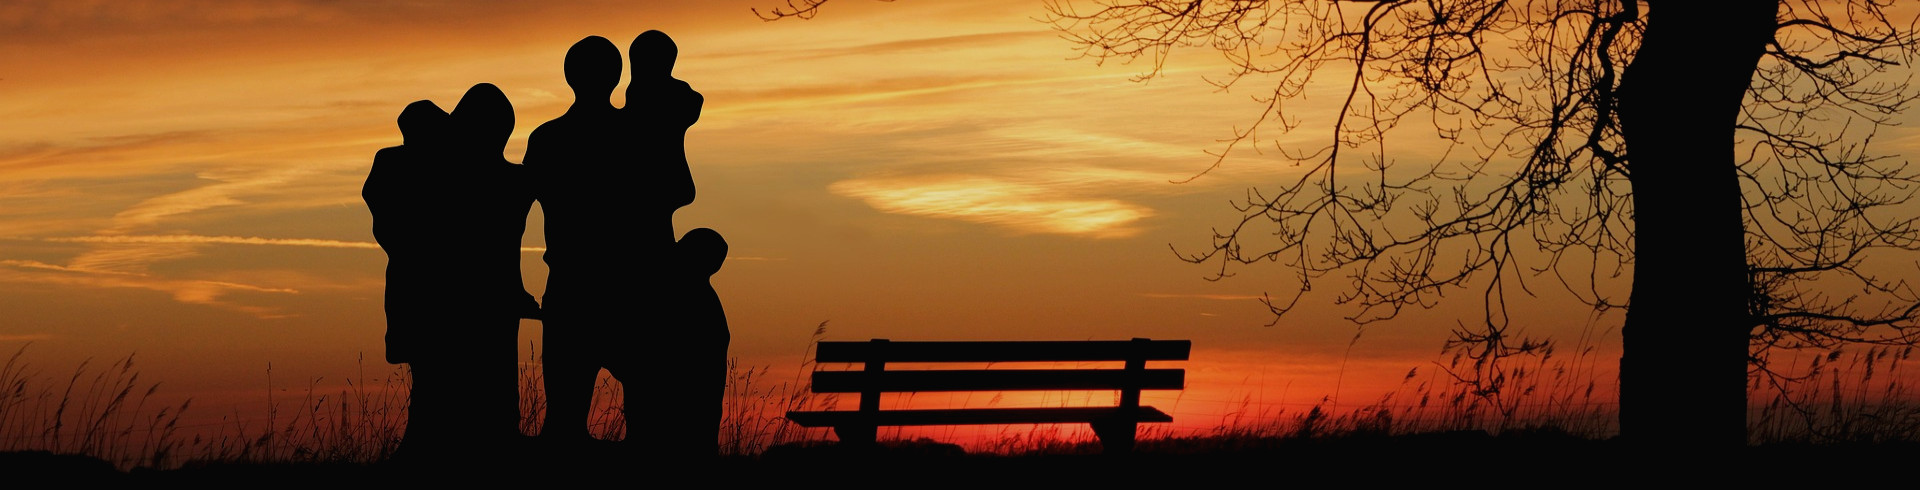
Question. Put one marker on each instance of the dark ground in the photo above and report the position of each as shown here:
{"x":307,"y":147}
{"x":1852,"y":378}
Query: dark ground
{"x":1448,"y":460}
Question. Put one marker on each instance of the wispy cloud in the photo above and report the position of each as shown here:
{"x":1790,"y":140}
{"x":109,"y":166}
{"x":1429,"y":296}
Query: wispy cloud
{"x":131,"y":258}
{"x":189,"y":291}
{"x":1068,"y":140}
{"x":121,"y":261}
{"x":228,"y":240}
{"x":942,"y":45}
{"x":25,"y":337}
{"x":238,"y":240}
{"x":1019,"y":206}
{"x":95,"y":13}
{"x":731,"y":258}
{"x":38,"y":265}
{"x":231,"y":187}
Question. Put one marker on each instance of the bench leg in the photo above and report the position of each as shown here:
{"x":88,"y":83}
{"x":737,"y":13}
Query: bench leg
{"x":1116,"y":437}
{"x":855,"y":435}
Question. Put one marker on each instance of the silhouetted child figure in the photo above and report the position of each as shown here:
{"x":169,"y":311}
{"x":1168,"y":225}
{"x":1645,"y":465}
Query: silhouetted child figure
{"x":401,"y":209}
{"x":686,"y":410}
{"x":659,"y":110}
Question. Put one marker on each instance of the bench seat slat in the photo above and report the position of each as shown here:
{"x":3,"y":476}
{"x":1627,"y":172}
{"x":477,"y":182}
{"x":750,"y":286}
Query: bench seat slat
{"x":1003,"y":351}
{"x":998,"y":380}
{"x":973,"y":416}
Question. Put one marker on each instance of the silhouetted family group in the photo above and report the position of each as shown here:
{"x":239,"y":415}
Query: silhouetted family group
{"x":622,"y":293}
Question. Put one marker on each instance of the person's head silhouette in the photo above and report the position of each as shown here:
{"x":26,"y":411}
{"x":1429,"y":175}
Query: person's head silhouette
{"x":593,"y":69}
{"x":484,"y":119}
{"x":702,"y":251}
{"x":422,"y":123}
{"x":652,"y":55}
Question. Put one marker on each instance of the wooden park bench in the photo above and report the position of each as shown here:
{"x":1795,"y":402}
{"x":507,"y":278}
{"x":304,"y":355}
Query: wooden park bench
{"x":1114,"y":425}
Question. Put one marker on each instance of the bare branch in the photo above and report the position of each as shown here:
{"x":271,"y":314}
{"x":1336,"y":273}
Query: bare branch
{"x":803,"y":10}
{"x":1524,"y":93}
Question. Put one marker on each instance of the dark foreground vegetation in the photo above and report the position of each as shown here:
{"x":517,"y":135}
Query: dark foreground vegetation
{"x":1524,"y":459}
{"x":1849,"y":419}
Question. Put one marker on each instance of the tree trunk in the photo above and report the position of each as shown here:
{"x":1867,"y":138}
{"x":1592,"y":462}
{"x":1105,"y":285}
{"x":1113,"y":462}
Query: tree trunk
{"x":1683,"y":372}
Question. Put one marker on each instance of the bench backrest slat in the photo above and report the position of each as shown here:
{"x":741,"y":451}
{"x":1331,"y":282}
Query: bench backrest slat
{"x":1003,"y":351}
{"x":998,"y":380}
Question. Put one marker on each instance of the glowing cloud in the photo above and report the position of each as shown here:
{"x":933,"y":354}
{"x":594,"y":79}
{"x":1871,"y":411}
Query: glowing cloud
{"x":1024,"y":207}
{"x":130,"y":258}
{"x":189,"y":291}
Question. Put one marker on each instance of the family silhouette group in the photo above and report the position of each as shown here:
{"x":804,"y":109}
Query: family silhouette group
{"x":622,"y":292}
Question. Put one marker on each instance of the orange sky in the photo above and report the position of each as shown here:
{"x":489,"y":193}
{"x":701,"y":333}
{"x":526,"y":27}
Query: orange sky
{"x":181,"y":180}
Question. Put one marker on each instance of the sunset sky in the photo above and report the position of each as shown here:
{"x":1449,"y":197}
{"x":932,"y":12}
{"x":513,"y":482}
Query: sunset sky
{"x":181,"y":181}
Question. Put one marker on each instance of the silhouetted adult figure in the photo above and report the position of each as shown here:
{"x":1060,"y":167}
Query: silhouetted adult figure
{"x":588,"y":191}
{"x":462,"y":211}
{"x":609,"y":183}
{"x":490,"y":201}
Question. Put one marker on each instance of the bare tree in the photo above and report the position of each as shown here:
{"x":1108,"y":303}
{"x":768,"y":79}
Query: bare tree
{"x":1711,"y":155}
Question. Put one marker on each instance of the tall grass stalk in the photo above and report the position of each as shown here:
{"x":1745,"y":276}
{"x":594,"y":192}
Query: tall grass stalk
{"x":755,"y":415}
{"x":362,"y":422}
{"x":102,"y":414}
{"x":1862,"y":396}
